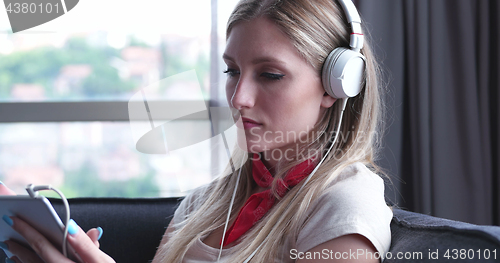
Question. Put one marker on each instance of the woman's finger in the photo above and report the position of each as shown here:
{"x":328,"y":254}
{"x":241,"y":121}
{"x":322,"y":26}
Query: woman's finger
{"x":45,"y":250}
{"x":85,"y":246}
{"x":4,"y":190}
{"x":94,"y":235}
{"x":21,"y":253}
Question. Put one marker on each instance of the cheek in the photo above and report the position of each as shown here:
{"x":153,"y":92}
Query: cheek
{"x":301,"y":111}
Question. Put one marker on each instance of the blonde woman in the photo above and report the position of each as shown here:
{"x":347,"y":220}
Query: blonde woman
{"x":306,"y":190}
{"x":274,"y":55}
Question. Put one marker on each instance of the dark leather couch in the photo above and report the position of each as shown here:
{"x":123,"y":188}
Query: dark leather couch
{"x":133,"y":229}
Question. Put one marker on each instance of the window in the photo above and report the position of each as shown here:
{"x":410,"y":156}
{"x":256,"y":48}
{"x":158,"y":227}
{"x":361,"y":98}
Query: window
{"x":65,"y":88}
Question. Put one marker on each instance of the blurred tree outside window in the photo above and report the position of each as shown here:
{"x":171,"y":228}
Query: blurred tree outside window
{"x":99,"y":158}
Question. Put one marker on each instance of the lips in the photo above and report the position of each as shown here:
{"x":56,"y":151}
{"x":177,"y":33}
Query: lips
{"x":249,"y":123}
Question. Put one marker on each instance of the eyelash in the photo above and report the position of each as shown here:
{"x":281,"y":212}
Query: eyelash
{"x":270,"y":76}
{"x":231,"y":72}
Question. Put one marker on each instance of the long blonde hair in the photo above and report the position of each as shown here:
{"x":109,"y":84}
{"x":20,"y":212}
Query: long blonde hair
{"x":315,"y":27}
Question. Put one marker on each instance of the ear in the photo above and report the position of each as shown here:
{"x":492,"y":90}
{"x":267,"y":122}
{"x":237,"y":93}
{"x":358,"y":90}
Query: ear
{"x":327,"y":101}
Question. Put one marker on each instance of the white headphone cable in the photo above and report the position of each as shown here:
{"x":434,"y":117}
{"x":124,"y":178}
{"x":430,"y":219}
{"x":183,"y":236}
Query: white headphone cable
{"x":230,"y":208}
{"x":33,"y":192}
{"x":329,"y":149}
{"x":312,"y":173}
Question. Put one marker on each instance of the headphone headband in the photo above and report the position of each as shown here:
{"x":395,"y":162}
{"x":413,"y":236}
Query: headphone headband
{"x":356,"y":42}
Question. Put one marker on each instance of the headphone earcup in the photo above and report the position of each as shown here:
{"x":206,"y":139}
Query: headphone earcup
{"x":343,"y":73}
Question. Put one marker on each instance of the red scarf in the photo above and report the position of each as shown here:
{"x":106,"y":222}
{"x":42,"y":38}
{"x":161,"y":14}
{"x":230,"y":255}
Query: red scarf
{"x":259,"y":204}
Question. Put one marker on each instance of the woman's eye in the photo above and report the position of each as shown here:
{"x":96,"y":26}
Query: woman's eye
{"x":231,"y":72}
{"x":272,"y":76}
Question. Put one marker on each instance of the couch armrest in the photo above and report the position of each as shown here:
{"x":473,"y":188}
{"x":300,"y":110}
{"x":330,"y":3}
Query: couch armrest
{"x":422,"y":238}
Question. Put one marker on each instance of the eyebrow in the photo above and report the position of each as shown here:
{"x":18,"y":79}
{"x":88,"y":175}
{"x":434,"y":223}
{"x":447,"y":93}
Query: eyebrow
{"x":258,"y":60}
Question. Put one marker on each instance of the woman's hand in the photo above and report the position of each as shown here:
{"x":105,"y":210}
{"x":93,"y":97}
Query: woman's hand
{"x":86,"y":245}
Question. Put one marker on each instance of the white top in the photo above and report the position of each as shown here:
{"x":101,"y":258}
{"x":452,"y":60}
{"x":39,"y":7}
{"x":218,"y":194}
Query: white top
{"x":353,"y":204}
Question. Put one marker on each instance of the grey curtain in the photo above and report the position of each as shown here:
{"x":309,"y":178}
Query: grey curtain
{"x":442,"y":142}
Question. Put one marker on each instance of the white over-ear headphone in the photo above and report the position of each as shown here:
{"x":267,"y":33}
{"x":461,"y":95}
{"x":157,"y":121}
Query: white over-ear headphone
{"x":343,"y":70}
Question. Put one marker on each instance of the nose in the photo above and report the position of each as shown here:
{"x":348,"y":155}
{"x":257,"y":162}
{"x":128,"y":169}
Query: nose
{"x":243,"y":94}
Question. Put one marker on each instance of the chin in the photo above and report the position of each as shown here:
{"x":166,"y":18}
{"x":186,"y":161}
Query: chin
{"x":247,"y":146}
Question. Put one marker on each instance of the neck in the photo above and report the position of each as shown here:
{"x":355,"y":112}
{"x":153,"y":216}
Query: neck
{"x":271,"y":160}
{"x":270,"y":165}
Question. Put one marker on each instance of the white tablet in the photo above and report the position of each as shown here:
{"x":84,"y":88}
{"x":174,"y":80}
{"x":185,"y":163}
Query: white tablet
{"x":39,"y":213}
